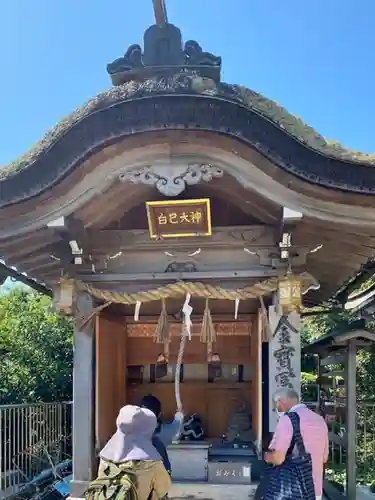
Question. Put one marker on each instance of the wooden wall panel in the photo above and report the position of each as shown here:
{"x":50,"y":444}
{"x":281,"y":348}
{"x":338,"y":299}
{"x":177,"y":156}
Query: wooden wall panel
{"x":110,"y":374}
{"x":142,"y":351}
{"x":234,"y":350}
{"x":194,"y":354}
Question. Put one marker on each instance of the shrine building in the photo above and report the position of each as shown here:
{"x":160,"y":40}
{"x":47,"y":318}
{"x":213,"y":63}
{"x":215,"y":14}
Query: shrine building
{"x":177,"y":205}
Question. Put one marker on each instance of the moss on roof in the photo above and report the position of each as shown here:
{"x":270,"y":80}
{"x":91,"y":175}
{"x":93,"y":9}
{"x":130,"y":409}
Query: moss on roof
{"x":191,"y":83}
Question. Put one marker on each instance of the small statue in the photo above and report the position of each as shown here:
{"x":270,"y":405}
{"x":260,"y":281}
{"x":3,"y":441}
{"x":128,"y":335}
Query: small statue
{"x":194,"y":55}
{"x":131,"y":60}
{"x":192,"y":428}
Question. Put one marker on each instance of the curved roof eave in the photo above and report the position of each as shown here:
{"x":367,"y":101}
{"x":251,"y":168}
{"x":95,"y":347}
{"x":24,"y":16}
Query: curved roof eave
{"x":263,"y":124}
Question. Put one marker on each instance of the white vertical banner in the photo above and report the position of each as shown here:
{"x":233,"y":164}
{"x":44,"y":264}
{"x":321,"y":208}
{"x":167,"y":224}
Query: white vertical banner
{"x":284,"y":356}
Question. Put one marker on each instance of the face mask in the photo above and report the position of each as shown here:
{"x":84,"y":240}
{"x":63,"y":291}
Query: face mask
{"x":280,"y":413}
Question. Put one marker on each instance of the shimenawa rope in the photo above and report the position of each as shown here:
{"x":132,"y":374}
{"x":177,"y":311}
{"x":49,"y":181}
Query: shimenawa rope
{"x":196,"y":289}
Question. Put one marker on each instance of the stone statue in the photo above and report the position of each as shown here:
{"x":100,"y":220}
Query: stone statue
{"x":131,"y":60}
{"x":240,"y":426}
{"x":194,"y":56}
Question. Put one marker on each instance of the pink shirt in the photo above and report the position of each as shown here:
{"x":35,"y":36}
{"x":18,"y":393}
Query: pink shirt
{"x":314,"y":433}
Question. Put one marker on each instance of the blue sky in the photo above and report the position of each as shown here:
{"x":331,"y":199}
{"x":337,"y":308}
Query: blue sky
{"x":316,"y":58}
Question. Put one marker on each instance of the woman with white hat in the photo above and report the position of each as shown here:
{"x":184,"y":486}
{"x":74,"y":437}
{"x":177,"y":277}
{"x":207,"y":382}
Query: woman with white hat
{"x":130,"y":467}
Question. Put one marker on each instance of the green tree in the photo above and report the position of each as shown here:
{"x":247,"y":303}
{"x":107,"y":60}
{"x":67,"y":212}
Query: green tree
{"x":36,"y":356}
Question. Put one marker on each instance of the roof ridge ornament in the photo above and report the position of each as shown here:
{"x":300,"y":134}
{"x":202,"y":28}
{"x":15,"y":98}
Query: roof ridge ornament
{"x":163,"y":54}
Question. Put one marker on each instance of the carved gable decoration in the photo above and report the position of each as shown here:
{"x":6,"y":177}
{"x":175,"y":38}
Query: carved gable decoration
{"x":164,"y":53}
{"x":171,"y":180}
{"x":178,"y":218}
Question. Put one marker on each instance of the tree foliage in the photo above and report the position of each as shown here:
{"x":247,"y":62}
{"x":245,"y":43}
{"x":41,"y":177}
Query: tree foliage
{"x":36,"y":356}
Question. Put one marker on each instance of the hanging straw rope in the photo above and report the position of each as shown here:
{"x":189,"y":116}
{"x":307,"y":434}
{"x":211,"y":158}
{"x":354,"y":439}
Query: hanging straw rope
{"x":196,"y":289}
{"x":161,"y":335}
{"x":178,"y":368}
{"x":208,"y":332}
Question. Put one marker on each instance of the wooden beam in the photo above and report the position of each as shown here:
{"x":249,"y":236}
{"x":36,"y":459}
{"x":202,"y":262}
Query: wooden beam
{"x":260,"y":273}
{"x":25,"y":246}
{"x":353,"y":335}
{"x":338,"y":359}
{"x":113,"y":205}
{"x":255,"y":236}
{"x":332,"y":241}
{"x":40,"y":268}
{"x":334,"y":373}
{"x":8,"y":244}
{"x":12,"y":273}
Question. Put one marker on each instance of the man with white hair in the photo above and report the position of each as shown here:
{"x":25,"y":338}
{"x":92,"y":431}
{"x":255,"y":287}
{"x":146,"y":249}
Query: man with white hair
{"x":314,"y":433}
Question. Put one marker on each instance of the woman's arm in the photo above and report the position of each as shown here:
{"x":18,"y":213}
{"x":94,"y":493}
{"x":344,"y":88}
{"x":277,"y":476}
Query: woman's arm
{"x":169,"y":431}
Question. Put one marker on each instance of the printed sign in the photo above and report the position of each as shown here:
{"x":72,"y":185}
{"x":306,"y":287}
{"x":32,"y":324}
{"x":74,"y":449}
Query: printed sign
{"x":229,"y":473}
{"x":284,"y":357}
{"x":179,"y":218}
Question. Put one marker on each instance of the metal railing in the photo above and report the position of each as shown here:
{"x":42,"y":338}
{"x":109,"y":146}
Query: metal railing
{"x":365,"y":441}
{"x":33,"y":438}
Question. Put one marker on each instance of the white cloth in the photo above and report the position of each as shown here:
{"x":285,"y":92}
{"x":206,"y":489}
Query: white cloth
{"x":133,"y":438}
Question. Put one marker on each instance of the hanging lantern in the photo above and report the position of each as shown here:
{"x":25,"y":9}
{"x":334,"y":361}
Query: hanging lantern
{"x":290,"y":293}
{"x":63,"y":302}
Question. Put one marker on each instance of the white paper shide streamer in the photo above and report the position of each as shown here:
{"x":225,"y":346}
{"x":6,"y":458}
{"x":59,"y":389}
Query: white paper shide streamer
{"x":236,"y":306}
{"x":187,"y":310}
{"x":137,"y":309}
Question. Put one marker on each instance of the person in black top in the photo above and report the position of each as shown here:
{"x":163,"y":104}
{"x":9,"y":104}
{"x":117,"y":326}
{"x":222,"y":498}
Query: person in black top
{"x":164,"y":433}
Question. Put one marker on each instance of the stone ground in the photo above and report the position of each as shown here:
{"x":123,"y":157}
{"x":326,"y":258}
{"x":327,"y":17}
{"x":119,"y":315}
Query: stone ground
{"x":206,"y":491}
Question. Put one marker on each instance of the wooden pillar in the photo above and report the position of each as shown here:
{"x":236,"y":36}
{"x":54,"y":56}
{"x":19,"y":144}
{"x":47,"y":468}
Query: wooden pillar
{"x":351,"y":420}
{"x":83,"y":401}
{"x":110,"y":374}
{"x":256,"y":347}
